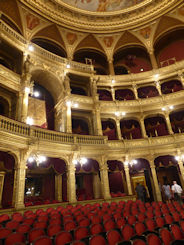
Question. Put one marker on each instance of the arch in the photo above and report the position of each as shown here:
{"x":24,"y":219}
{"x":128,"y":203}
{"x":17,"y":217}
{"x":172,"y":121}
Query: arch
{"x":4,"y":107}
{"x":104,"y":94}
{"x":124,"y":94}
{"x":98,"y":58}
{"x":177,"y":121}
{"x":80,"y":126}
{"x":109,"y":129}
{"x":130,"y":129}
{"x":171,"y":86}
{"x":147,"y":91}
{"x":135,"y":58}
{"x":121,"y":69}
{"x":155,"y":126}
{"x":169,"y":47}
{"x":50,"y":45}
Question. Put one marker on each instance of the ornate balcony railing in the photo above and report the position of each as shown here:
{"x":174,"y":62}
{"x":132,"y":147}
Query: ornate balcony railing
{"x":22,"y":129}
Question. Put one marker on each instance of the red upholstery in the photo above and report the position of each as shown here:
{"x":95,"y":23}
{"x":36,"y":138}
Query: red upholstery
{"x":17,"y":217}
{"x":160,"y":222}
{"x":96,"y":229}
{"x":12,"y":225}
{"x":4,"y":217}
{"x":70,"y":225}
{"x":168,"y":219}
{"x":4,"y":232}
{"x":96,"y":220}
{"x":140,"y":228}
{"x":113,"y":237}
{"x":131,"y":219}
{"x":55,"y":221}
{"x":120,"y":222}
{"x":97,"y":239}
{"x":151,"y":225}
{"x":138,"y":242}
{"x":78,"y":243}
{"x":29,"y":221}
{"x":42,"y":218}
{"x":13,"y":238}
{"x":41,"y":225}
{"x":141,"y":217}
{"x":84,"y":222}
{"x":62,"y":238}
{"x":80,"y":233}
{"x":23,"y":228}
{"x":35,"y":233}
{"x":166,"y":236}
{"x":127,"y":232}
{"x":109,"y":225}
{"x":43,"y":240}
{"x":176,"y":231}
{"x":152,"y":239}
{"x":53,"y":229}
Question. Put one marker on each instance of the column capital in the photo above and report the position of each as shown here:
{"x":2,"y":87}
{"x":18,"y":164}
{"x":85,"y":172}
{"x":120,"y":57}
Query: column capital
{"x":151,"y":50}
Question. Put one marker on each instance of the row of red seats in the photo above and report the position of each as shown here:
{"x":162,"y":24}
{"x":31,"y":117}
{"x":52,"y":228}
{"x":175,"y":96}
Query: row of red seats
{"x":123,"y":219}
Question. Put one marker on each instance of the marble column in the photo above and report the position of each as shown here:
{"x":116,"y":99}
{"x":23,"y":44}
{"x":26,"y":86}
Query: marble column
{"x":155,"y":180}
{"x":111,"y":67}
{"x":68,"y":119}
{"x":180,"y":165}
{"x":128,"y":180}
{"x":2,"y":175}
{"x":157,"y":83}
{"x":143,"y":129}
{"x":113,"y":93}
{"x":97,"y":121}
{"x":153,"y":59}
{"x":104,"y":179}
{"x":168,"y":122}
{"x":96,"y":186}
{"x":71,"y":189}
{"x":118,"y":129}
{"x":24,"y":96}
{"x":135,"y":91}
{"x":58,"y":187}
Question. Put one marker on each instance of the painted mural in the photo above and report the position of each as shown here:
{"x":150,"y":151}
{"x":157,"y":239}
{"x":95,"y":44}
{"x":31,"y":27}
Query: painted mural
{"x":102,"y":5}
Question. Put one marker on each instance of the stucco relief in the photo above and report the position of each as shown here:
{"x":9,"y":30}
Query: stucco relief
{"x":102,"y":5}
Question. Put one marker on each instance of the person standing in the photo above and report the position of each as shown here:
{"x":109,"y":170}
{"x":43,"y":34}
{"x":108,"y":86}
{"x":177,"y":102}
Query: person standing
{"x":141,"y":192}
{"x":167,"y":191}
{"x":177,"y":192}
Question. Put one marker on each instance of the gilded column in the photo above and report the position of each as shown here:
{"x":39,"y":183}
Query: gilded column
{"x":155,"y":180}
{"x":58,"y":187}
{"x":118,"y":129}
{"x":113,"y":93}
{"x":143,"y":129}
{"x":128,"y":180}
{"x":96,"y":186}
{"x":135,"y":91}
{"x":124,"y":183}
{"x":2,"y":175}
{"x":181,"y":77}
{"x":104,"y":179}
{"x":71,"y":190}
{"x":153,"y":59}
{"x":111,"y":67}
{"x":157,"y":83}
{"x":168,"y":123}
{"x":68,"y":118}
{"x":97,"y":121}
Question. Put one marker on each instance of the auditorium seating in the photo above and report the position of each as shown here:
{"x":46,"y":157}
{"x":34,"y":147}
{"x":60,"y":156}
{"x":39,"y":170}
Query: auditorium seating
{"x":134,"y":223}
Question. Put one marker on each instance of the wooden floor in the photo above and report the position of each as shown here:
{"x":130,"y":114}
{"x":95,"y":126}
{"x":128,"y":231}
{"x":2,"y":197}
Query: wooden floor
{"x":64,"y":204}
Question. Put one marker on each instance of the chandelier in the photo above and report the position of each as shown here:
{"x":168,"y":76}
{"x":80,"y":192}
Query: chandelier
{"x":131,"y":163}
{"x":82,"y":161}
{"x":38,"y":159}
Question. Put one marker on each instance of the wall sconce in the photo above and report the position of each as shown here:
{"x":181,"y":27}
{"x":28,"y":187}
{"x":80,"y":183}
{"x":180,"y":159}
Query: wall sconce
{"x":37,"y":158}
{"x":171,"y":107}
{"x":29,"y":120}
{"x":72,"y":104}
{"x":118,"y":113}
{"x":31,"y":48}
{"x":82,"y":161}
{"x":131,"y":163}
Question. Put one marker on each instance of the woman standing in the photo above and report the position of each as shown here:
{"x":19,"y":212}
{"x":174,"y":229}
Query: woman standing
{"x":167,"y":191}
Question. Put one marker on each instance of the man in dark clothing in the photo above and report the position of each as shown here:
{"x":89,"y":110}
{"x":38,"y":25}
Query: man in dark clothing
{"x":141,"y":192}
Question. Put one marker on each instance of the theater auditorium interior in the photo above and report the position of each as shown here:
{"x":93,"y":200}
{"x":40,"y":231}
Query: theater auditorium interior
{"x":91,"y":105}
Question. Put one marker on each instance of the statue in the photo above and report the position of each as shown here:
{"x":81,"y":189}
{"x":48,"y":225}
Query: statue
{"x":27,"y":65}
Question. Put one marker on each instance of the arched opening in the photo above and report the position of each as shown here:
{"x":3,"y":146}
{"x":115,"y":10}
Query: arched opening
{"x":7,"y":165}
{"x":147,"y":92}
{"x":130,"y":129}
{"x":171,"y":86}
{"x":167,"y":170}
{"x":124,"y":94}
{"x":155,"y":126}
{"x":140,"y":173}
{"x":50,"y":46}
{"x":116,"y":178}
{"x":42,"y":185}
{"x":88,"y":180}
{"x":78,"y":90}
{"x":177,"y":121}
{"x":120,"y":70}
{"x":4,"y":107}
{"x":41,"y":107}
{"x":109,"y":129}
{"x":169,"y":48}
{"x":104,"y":95}
{"x":98,"y":60}
{"x":135,"y":59}
{"x":10,"y":23}
{"x":80,"y":126}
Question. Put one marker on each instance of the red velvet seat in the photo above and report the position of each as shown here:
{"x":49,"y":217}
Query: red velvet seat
{"x":84,"y":222}
{"x":23,"y":228}
{"x":13,"y":238}
{"x":153,"y":239}
{"x":41,"y":225}
{"x":35,"y":233}
{"x":12,"y":225}
{"x":177,"y":232}
{"x":4,"y":232}
{"x":141,"y":217}
{"x":113,"y":237}
{"x":70,"y":225}
{"x":168,"y":219}
{"x":166,"y":236}
{"x":4,"y":217}
{"x":62,"y":238}
{"x":53,"y":229}
{"x":96,"y":219}
{"x":160,"y":222}
{"x":140,"y":228}
{"x":109,"y":225}
{"x":42,"y":218}
{"x":29,"y":221}
{"x":176,"y":217}
{"x":78,"y":243}
{"x":80,"y":233}
{"x":127,"y":232}
{"x":120,"y":222}
{"x":55,"y":221}
{"x":131,"y":220}
{"x":17,"y":217}
{"x":43,"y":240}
{"x":96,"y":229}
{"x":138,"y":242}
{"x":151,"y":225}
{"x":97,"y":240}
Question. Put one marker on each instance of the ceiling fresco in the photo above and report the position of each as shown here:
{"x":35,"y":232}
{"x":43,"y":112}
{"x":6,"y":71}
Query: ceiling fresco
{"x":102,"y":5}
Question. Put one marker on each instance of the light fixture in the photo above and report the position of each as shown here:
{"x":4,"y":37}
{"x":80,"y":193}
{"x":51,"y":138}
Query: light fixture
{"x":29,"y":120}
{"x":141,"y":69}
{"x":69,"y":103}
{"x":131,"y":163}
{"x":156,"y":76}
{"x":68,"y":66}
{"x":31,"y":48}
{"x":163,"y":109}
{"x":113,"y":81}
{"x":82,"y":161}
{"x":118,"y":113}
{"x":72,"y":104}
{"x":171,"y":107}
{"x":36,"y":94}
{"x":76,"y":105}
{"x":37,"y":158}
{"x":27,"y":90}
